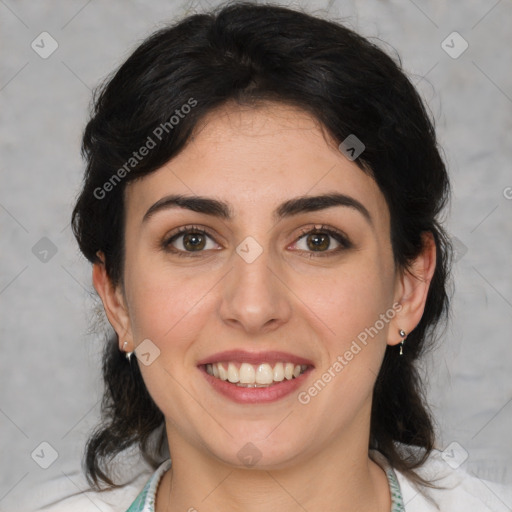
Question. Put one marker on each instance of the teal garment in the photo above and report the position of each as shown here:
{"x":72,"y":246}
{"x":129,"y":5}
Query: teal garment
{"x":145,"y":501}
{"x":397,"y":502}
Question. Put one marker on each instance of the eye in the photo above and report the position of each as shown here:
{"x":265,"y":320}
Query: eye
{"x":188,"y":239}
{"x":319,"y":240}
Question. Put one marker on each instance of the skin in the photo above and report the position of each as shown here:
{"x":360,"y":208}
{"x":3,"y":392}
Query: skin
{"x":313,"y":456}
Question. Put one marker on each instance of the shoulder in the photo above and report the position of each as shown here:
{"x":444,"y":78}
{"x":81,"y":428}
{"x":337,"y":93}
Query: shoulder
{"x":70,"y":492}
{"x":457,"y":490}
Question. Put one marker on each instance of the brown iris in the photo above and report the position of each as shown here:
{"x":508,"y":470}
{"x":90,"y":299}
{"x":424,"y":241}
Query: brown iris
{"x":321,"y":241}
{"x":197,"y":241}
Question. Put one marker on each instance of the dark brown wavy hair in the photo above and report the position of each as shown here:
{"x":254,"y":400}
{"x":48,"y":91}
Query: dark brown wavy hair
{"x":252,"y":53}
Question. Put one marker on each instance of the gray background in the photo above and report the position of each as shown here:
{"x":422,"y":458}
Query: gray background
{"x":49,"y":359}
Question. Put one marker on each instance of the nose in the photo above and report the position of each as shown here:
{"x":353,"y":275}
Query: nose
{"x":254,"y":298}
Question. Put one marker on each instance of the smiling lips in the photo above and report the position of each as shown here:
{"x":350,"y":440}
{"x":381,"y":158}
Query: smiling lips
{"x":249,"y":375}
{"x":249,"y":369}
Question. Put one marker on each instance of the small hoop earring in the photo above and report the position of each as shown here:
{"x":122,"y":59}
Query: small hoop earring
{"x":128,"y":355}
{"x":403,"y":335}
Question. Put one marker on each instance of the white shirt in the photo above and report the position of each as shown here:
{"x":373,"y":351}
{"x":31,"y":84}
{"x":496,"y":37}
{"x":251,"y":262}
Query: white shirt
{"x":463,"y":493}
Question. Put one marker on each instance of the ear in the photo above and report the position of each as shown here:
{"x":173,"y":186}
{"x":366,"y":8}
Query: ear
{"x":411,"y":290}
{"x":114,"y":303}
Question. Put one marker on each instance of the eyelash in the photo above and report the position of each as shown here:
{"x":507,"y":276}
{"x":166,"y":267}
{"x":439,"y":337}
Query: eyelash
{"x":340,"y":237}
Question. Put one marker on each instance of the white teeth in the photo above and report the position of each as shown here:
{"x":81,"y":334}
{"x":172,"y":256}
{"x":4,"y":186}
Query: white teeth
{"x":249,"y":375}
{"x":279,"y":372}
{"x":264,"y":374}
{"x":233,"y":375}
{"x":288,"y":371}
{"x":223,"y":374}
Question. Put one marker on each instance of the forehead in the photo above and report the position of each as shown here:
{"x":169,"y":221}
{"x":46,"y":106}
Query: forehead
{"x":254,"y":159}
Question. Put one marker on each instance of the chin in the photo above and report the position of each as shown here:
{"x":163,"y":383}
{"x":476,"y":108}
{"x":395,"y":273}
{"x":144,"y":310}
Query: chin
{"x":264,"y":454}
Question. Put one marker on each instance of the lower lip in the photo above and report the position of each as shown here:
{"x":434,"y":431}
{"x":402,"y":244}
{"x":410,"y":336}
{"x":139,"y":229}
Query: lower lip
{"x":243,"y":395}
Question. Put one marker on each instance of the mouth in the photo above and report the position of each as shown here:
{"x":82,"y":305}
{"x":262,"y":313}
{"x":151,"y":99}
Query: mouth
{"x":249,"y":375}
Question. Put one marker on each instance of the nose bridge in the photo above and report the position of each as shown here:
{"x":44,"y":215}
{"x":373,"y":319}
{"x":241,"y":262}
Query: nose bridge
{"x":253,"y":296}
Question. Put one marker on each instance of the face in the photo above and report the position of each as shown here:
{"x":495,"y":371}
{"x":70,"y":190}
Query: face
{"x":313,"y":280}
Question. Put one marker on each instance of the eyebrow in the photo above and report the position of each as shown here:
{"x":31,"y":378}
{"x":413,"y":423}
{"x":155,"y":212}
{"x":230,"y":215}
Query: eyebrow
{"x":222,"y":210}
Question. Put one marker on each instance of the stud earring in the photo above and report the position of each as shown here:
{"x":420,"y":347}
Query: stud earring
{"x":403,"y":335}
{"x":127,"y":354}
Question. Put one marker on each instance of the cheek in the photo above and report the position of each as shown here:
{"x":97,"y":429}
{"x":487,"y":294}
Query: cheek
{"x":352,"y":297}
{"x":162,"y":302}
{"x":355,"y":307}
{"x":351,"y":307}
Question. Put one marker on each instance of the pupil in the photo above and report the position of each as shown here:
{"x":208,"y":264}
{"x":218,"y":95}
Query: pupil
{"x":194,"y":239}
{"x":320,"y":245}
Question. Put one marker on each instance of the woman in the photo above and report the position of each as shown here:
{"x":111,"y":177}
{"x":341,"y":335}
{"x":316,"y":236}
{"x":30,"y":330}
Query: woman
{"x":261,"y":208}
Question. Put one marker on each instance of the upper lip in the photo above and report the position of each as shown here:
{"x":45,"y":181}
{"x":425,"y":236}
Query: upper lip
{"x":254,"y":357}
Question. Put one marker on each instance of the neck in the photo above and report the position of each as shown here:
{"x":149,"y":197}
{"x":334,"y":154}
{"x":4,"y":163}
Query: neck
{"x":341,"y":478}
